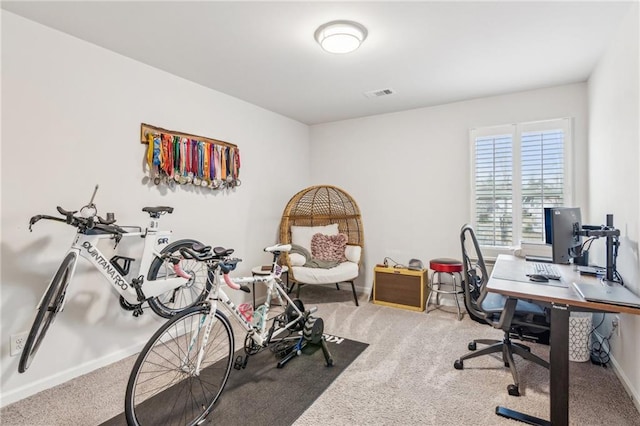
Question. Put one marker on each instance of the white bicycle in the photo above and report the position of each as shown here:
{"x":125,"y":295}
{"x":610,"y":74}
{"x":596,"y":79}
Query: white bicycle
{"x":166,"y":281}
{"x":183,"y":369}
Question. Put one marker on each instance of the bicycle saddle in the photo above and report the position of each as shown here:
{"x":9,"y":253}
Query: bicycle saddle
{"x":221,"y":251}
{"x":200,"y":248}
{"x":159,"y":209}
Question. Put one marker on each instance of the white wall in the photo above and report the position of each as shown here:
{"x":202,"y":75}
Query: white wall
{"x":614,"y":181}
{"x":409,"y":171}
{"x":71,"y":115}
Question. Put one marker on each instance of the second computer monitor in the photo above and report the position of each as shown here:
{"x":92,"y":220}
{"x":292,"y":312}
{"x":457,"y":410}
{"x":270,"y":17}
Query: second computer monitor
{"x":564,"y":232}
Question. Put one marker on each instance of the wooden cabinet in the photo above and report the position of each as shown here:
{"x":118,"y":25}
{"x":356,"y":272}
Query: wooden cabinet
{"x":400,"y":287}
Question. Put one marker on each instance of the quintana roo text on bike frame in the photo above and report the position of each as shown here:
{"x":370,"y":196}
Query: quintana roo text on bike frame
{"x":105,"y":265}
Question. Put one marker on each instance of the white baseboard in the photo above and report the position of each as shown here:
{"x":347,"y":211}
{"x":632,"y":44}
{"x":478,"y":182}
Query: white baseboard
{"x":64,"y":376}
{"x":626,"y":383}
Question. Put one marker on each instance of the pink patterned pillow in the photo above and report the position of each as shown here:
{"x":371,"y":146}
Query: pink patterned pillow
{"x":328,"y":247}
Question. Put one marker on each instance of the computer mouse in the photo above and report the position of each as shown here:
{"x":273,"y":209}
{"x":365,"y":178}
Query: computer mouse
{"x":538,"y":278}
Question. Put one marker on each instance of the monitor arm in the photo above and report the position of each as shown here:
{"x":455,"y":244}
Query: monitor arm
{"x":611,"y":234}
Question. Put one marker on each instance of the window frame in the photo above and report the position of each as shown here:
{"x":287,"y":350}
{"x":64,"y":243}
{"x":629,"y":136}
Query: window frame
{"x":516,"y":130}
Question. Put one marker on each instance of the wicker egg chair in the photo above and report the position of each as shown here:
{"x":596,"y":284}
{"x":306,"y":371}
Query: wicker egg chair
{"x":317,"y":206}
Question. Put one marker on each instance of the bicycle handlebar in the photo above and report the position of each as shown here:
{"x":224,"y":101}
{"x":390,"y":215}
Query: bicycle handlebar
{"x":220,"y":258}
{"x":38,"y":217}
{"x":82,"y":223}
{"x":235,"y":286}
{"x":92,"y":220}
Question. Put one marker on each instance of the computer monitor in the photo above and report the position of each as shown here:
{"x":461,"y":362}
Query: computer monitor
{"x":565,"y":233}
{"x":548,"y":229}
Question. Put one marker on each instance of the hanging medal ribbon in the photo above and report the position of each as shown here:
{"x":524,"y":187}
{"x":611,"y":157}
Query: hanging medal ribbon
{"x":183,"y":161}
{"x":223,"y":163}
{"x":232,"y":167}
{"x":212,"y":164}
{"x":218,"y":164}
{"x":201,"y":167}
{"x":194,"y":159}
{"x":218,"y":167}
{"x":189,"y":161}
{"x":156,"y":158}
{"x":237,"y":160}
{"x":198,"y":169}
{"x":150,"y":146}
{"x":150,"y":156}
{"x":161,"y":154}
{"x":166,"y":154}
{"x":170,"y":161}
{"x":205,"y":163}
{"x":227,"y":164}
{"x":156,"y":150}
{"x":231,"y":179}
{"x":200,"y":160}
{"x":176,"y":158}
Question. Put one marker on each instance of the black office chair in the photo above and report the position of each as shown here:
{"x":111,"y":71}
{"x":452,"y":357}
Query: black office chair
{"x":512,"y":316}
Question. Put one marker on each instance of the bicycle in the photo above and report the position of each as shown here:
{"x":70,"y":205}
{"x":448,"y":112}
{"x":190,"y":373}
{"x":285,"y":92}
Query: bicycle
{"x":172,"y":284}
{"x":183,"y":369}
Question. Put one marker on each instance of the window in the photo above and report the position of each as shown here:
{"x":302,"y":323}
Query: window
{"x":517,"y":171}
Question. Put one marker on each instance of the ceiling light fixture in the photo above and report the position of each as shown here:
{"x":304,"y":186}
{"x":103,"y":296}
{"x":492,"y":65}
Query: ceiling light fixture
{"x":340,"y":36}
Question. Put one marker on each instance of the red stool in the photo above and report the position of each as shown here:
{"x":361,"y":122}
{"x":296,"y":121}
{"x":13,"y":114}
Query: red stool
{"x":451,"y":267}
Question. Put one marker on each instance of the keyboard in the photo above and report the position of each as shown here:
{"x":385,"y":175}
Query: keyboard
{"x":546,"y":269}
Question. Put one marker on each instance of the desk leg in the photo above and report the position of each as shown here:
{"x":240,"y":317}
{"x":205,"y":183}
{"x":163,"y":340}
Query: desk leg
{"x":558,"y":373}
{"x":559,"y":365}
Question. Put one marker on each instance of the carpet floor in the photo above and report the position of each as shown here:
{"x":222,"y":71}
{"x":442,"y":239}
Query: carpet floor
{"x":405,"y":376}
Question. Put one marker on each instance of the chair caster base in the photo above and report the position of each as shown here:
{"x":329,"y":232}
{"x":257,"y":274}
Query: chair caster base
{"x":513,"y":390}
{"x":458,"y":365}
{"x":472,"y":346}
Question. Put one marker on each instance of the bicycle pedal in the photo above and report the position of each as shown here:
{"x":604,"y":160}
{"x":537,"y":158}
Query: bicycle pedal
{"x":137,"y":312}
{"x":240,"y":362}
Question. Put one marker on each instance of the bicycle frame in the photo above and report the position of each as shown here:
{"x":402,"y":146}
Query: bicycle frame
{"x":85,"y":245}
{"x":260,"y":336}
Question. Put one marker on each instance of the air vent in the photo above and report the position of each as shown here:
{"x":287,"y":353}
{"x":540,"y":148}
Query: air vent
{"x":379,"y":92}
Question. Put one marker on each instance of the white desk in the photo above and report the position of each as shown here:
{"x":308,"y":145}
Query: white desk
{"x":563,"y":300}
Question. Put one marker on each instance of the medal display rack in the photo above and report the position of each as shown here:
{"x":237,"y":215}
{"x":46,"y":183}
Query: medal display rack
{"x":181,"y":158}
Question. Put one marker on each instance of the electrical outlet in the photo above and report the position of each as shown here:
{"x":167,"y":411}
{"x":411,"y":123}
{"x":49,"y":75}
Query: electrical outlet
{"x":616,"y":324}
{"x":17,"y":343}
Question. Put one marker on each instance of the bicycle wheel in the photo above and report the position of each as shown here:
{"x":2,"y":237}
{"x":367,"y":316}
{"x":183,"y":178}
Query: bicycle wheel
{"x":47,"y":311}
{"x":195,"y":290}
{"x":163,"y":388}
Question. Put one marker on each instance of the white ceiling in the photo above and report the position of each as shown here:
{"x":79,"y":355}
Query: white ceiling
{"x":430,"y":53}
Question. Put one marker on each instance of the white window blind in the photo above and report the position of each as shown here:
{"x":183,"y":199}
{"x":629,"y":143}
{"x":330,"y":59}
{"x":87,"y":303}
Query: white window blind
{"x":518,"y":170}
{"x":494,"y":189}
{"x":542,"y":179}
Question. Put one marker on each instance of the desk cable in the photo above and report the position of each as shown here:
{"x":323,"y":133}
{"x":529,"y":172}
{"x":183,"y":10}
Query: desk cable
{"x":395,"y":264}
{"x":600,"y":347}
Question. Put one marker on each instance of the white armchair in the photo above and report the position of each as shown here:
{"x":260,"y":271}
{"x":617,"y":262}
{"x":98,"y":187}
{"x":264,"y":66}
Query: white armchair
{"x":328,"y":211}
